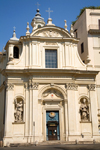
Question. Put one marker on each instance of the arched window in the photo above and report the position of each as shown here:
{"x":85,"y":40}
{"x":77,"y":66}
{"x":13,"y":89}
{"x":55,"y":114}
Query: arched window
{"x":39,"y":26}
{"x":16,"y":52}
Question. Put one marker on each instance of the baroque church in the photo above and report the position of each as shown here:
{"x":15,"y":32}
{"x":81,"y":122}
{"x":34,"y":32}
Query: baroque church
{"x":47,"y":92}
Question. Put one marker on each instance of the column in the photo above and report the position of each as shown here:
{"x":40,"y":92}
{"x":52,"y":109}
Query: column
{"x":93,"y":102}
{"x":8,"y":111}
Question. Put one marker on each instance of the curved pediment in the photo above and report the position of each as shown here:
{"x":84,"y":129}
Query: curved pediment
{"x":55,"y":32}
{"x":52,"y":93}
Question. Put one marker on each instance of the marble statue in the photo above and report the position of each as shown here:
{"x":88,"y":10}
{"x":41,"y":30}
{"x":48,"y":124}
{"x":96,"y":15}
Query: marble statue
{"x":18,"y":111}
{"x":84,"y":110}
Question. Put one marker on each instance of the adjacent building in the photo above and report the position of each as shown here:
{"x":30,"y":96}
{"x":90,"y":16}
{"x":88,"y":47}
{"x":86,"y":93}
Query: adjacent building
{"x":87,"y":29}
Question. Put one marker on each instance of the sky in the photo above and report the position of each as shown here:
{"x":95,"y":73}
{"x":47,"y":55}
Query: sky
{"x":18,"y":12}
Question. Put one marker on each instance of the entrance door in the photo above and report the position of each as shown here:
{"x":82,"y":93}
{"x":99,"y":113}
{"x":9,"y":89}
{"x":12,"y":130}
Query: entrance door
{"x":52,"y":125}
{"x":52,"y":133}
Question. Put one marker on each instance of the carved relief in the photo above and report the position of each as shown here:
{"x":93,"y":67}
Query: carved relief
{"x":52,"y":92}
{"x":84,"y":110}
{"x":9,"y":86}
{"x":26,"y":85}
{"x":30,"y":84}
{"x":72,"y":86}
{"x":33,"y":85}
{"x":51,"y":43}
{"x":49,"y":33}
{"x":91,"y":87}
{"x":97,"y":86}
{"x":18,"y":103}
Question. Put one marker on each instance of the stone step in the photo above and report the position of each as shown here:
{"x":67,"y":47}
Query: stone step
{"x":56,"y":142}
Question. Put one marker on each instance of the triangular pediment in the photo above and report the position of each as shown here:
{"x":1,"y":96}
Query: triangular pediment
{"x":51,"y":32}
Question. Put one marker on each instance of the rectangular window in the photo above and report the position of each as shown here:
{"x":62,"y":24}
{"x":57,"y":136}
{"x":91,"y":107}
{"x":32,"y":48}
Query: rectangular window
{"x":76,"y":34}
{"x":51,"y":58}
{"x":99,"y":24}
{"x":82,"y":48}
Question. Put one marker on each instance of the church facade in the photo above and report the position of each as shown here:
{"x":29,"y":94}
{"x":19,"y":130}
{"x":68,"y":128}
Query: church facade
{"x":46,"y":91}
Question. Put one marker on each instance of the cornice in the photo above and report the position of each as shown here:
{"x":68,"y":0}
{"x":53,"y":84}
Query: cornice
{"x":30,"y":38}
{"x":56,"y":71}
{"x":13,"y":42}
{"x":94,"y":31}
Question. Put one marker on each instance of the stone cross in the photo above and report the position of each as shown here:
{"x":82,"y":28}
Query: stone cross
{"x":49,"y":11}
{"x":14,"y":28}
{"x":38,"y":5}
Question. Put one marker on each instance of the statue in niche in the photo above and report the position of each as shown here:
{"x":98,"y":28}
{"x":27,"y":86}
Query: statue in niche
{"x":18,"y":111}
{"x":84,"y":110}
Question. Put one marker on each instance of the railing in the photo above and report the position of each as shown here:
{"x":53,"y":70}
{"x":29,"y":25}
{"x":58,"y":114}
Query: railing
{"x":94,"y":27}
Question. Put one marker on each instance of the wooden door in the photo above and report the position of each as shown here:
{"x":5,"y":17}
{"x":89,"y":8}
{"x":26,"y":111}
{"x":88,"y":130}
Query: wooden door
{"x":52,"y":133}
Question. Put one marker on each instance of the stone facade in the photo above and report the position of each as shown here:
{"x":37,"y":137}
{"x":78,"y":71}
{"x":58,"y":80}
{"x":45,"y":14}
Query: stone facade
{"x":39,"y":103}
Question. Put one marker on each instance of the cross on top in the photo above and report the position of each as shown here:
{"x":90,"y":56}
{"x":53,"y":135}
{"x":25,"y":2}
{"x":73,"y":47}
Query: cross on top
{"x":38,"y":5}
{"x":49,"y":11}
{"x":14,"y":28}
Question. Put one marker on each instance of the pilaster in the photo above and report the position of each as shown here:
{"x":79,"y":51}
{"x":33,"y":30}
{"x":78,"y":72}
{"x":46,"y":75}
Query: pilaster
{"x":35,"y":107}
{"x":98,"y":98}
{"x":30,"y":109}
{"x":26,"y":110}
{"x":71,"y":87}
{"x":30,"y":53}
{"x":93,"y":101}
{"x":66,"y":120}
{"x":9,"y":108}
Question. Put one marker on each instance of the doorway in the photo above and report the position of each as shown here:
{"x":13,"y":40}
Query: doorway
{"x":52,"y":131}
{"x":52,"y":125}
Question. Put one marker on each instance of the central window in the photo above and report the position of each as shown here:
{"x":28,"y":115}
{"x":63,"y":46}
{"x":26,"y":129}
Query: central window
{"x":51,"y":58}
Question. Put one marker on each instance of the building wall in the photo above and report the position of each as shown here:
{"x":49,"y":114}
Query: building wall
{"x":81,"y":28}
{"x":89,"y":20}
{"x":33,"y":55}
{"x":35,"y":105}
{"x":2,"y":113}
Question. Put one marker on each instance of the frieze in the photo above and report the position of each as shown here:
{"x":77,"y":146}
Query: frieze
{"x":45,"y":76}
{"x":71,"y":86}
{"x":51,"y":43}
{"x":91,"y":87}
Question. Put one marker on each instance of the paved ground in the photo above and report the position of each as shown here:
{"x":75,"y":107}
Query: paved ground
{"x":56,"y":147}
